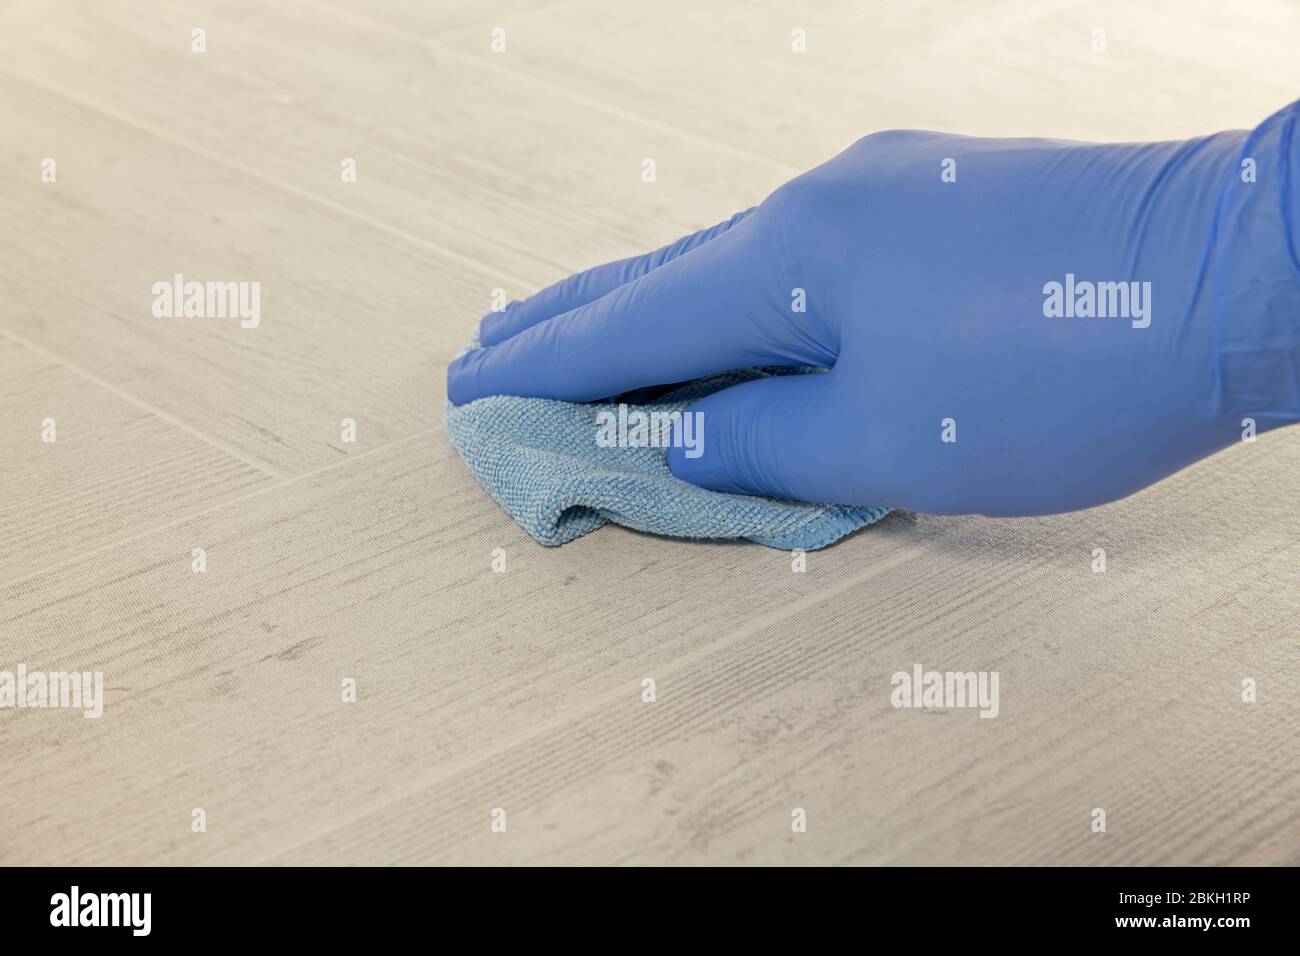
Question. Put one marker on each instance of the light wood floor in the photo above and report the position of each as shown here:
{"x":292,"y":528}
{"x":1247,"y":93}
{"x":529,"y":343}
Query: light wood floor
{"x":371,"y":560}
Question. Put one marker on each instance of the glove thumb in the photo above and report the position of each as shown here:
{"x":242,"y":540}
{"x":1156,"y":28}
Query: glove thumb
{"x":774,"y":436}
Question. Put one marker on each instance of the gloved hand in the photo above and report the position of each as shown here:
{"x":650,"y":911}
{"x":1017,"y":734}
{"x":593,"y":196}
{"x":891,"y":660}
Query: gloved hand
{"x":1011,"y":326}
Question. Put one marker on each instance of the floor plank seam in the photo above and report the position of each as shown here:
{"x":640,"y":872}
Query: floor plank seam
{"x":254,"y":493}
{"x":595,"y":703}
{"x":690,"y":136}
{"x":433,"y":43}
{"x":166,"y":416}
{"x":249,"y":172}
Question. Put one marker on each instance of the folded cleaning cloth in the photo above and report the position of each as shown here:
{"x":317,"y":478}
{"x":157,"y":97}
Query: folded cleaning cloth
{"x":541,"y":461}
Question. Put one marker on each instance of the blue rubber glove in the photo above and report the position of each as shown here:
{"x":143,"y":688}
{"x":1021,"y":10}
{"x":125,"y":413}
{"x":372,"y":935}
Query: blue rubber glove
{"x":1012,"y":326}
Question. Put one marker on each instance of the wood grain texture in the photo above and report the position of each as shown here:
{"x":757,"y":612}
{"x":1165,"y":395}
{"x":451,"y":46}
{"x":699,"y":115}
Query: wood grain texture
{"x":1120,"y":690}
{"x":354,"y":323}
{"x":1000,"y":69}
{"x":112,"y":467}
{"x":452,"y":155}
{"x":523,"y":690}
{"x":378,"y":569}
{"x":420,"y":18}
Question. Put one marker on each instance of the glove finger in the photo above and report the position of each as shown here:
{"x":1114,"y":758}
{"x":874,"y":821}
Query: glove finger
{"x":718,"y":307}
{"x":584,"y":287}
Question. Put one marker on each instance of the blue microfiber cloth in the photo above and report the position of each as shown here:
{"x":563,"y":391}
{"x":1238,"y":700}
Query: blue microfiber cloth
{"x":540,"y":460}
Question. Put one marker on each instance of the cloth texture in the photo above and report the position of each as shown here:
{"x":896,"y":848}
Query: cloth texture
{"x":539,"y":459}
